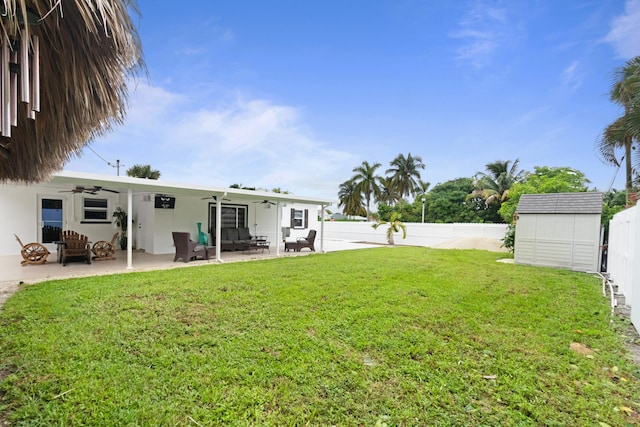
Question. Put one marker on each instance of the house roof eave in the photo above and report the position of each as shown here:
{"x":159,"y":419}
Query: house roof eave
{"x":164,"y":187}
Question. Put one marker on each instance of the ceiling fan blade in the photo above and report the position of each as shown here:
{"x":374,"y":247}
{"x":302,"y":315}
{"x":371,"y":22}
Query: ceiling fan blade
{"x":110,"y":190}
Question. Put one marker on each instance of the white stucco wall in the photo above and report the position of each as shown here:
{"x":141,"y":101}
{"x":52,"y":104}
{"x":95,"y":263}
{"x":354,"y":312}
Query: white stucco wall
{"x":153,"y":227}
{"x":17,"y":202}
{"x":417,"y":234}
{"x":19,"y":214}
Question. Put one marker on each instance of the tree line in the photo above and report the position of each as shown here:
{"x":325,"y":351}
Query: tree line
{"x":492,"y":195}
{"x":402,"y":179}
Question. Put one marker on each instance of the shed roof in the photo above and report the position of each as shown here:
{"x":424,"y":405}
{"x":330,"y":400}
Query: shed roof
{"x":561,"y":203}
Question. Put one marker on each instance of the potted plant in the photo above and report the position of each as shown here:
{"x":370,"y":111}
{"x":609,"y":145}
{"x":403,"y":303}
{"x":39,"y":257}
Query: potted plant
{"x":121,"y":222}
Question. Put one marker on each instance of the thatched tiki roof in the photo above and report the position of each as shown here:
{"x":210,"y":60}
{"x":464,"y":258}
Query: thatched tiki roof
{"x":87,"y":51}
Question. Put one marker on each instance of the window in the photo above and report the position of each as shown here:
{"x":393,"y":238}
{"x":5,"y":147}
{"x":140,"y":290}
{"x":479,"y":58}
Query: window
{"x":299,"y":218}
{"x":232,"y":216}
{"x":94,"y":210}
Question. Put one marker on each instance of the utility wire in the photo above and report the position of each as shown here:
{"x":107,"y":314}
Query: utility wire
{"x":118,"y":165}
{"x":99,"y":156}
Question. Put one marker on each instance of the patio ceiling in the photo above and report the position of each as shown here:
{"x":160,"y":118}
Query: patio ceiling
{"x":69,"y":180}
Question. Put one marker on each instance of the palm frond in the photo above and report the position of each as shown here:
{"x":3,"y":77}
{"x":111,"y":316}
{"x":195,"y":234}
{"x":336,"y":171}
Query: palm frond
{"x":612,"y":139}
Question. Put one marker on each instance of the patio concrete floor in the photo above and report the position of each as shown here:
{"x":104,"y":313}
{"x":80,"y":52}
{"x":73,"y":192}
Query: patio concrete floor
{"x":13,"y":274}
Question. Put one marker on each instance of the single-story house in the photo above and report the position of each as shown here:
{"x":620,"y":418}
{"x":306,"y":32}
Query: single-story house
{"x":86,"y":202}
{"x":559,"y":230}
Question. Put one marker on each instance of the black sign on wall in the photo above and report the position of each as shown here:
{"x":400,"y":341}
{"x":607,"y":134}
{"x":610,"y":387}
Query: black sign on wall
{"x":165,"y":202}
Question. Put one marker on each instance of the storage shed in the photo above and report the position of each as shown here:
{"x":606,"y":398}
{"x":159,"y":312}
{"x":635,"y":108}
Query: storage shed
{"x":559,"y":230}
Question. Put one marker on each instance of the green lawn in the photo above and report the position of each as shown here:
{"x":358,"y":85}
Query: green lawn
{"x":388,"y":336}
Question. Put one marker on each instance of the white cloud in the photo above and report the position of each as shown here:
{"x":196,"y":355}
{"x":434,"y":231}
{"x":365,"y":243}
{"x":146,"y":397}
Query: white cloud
{"x":483,"y":30}
{"x":625,"y":33}
{"x":259,"y":143}
{"x":254,"y":142}
{"x":149,"y":103}
{"x":572,"y":76}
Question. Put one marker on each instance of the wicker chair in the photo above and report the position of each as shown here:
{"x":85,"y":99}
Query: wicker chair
{"x":186,"y":248}
{"x":75,"y":246}
{"x":302,"y":242}
{"x":103,"y":250}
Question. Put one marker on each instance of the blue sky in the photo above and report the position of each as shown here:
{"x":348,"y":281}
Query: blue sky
{"x":295,"y":94}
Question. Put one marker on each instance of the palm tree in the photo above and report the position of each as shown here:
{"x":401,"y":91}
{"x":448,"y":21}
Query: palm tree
{"x":395,"y":225}
{"x":388,"y":193}
{"x":494,"y":185}
{"x":422,"y":188}
{"x":350,"y":199}
{"x":143,"y":171}
{"x":421,"y":192}
{"x":366,"y":181}
{"x":405,"y":173}
{"x":622,"y":132}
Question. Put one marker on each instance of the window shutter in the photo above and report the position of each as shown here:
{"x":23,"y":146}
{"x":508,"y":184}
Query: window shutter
{"x":293,"y":214}
{"x":306,"y":218}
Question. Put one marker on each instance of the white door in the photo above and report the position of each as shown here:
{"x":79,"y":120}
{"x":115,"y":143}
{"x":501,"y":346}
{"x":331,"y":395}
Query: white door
{"x":50,"y":220}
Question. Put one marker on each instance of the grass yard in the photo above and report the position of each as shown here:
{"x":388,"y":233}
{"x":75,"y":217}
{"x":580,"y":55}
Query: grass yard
{"x":389,"y":336}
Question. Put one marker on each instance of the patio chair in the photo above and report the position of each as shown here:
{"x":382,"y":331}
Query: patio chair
{"x":307,"y":242}
{"x":186,"y":248}
{"x":33,"y":253}
{"x":103,"y":250}
{"x":74,"y":246}
{"x":302,"y":242}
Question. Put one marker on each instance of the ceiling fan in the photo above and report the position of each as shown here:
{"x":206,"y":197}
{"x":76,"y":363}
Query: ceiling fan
{"x":265,"y":201}
{"x":88,"y":190}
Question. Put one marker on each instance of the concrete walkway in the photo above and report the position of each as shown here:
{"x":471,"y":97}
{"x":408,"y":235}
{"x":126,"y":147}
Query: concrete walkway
{"x":13,"y":275}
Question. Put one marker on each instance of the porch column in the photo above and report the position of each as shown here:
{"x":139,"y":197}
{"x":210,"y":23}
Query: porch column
{"x":322,"y":227}
{"x":129,"y":229}
{"x":218,"y":227}
{"x":278,"y":227}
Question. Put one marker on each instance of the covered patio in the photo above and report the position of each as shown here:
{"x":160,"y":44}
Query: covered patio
{"x":265,"y":214}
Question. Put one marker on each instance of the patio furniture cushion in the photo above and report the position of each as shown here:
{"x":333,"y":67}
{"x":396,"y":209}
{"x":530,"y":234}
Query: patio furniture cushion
{"x":243,"y":234}
{"x":230,"y":234}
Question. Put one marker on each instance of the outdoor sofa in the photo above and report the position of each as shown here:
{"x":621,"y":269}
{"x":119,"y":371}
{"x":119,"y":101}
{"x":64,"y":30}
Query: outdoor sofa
{"x":234,"y":239}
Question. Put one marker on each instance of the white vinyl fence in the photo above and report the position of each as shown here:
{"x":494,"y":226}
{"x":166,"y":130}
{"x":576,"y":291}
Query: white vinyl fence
{"x":417,"y":234}
{"x":623,"y":260}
